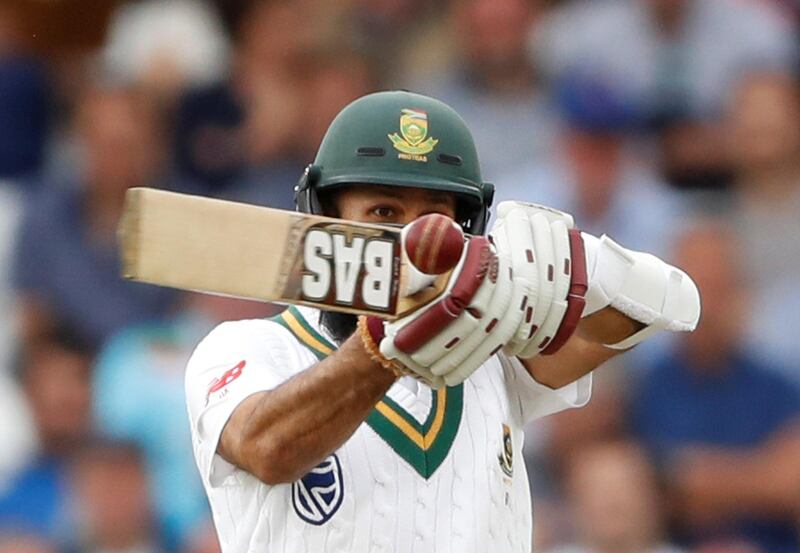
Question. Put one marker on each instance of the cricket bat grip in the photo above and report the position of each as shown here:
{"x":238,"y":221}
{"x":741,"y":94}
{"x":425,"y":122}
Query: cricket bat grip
{"x":418,"y":288}
{"x":416,"y":280}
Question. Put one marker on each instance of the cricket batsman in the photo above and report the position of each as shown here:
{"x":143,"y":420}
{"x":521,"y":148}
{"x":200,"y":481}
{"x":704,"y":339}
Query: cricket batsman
{"x":319,"y":432}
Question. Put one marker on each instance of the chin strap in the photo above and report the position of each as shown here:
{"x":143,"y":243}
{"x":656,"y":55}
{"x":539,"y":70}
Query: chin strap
{"x":641,"y":286}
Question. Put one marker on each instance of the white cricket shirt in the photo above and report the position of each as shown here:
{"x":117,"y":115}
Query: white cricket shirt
{"x":428,"y":471}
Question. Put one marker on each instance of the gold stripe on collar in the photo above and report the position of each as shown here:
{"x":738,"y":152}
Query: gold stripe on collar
{"x":290,"y":319}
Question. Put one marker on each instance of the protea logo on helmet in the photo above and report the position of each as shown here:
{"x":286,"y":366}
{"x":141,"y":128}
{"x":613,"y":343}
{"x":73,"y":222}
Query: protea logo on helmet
{"x":414,"y":142}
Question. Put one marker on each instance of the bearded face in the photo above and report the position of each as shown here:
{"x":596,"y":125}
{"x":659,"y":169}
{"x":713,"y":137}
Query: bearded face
{"x":339,"y":325}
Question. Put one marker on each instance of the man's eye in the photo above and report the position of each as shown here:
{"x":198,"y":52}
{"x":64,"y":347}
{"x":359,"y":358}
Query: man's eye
{"x":384,"y":212}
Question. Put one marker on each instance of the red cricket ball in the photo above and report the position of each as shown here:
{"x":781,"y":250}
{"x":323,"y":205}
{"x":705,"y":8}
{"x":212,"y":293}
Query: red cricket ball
{"x":433,"y":243}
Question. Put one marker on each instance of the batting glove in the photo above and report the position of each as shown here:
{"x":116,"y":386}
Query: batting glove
{"x":445,"y":341}
{"x":548,"y":264}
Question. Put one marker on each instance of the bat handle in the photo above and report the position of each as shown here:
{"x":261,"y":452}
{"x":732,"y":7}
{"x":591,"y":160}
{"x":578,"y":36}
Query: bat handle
{"x":416,"y":280}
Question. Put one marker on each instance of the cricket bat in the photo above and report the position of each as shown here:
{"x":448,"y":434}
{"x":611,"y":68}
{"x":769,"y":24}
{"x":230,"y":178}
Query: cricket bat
{"x":246,"y":251}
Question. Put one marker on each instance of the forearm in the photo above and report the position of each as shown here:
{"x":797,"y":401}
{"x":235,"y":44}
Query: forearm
{"x":280,"y":434}
{"x":584,"y":351}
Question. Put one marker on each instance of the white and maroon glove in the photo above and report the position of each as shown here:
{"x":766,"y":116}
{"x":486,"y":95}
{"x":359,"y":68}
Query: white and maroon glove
{"x":548,"y":262}
{"x":552,"y":257}
{"x":445,"y":341}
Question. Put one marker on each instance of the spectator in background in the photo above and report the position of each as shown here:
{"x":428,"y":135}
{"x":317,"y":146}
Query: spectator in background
{"x":56,"y":380}
{"x":139,"y":397}
{"x":727,"y":548}
{"x":333,"y":75}
{"x":166,"y":46}
{"x":203,"y":541}
{"x":676,"y":59}
{"x":596,"y":172}
{"x":17,"y":433}
{"x":494,"y":85}
{"x":24,"y":119}
{"x":11,"y":203}
{"x":710,"y":403}
{"x":763,"y":126}
{"x":111,"y":500}
{"x":22,"y":543}
{"x":549,"y":450}
{"x":253,"y":117}
{"x":614,"y":500}
{"x":23,"y":102}
{"x":66,"y":265}
{"x":287,"y":103}
{"x":405,"y":35}
{"x":208,"y":138}
{"x":178,"y":53}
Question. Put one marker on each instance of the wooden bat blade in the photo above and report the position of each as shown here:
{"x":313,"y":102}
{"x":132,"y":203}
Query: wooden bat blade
{"x":194,"y":243}
{"x":228,"y":248}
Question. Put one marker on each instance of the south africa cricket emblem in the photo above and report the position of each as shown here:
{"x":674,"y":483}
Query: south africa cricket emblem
{"x":506,"y":456}
{"x":413,"y":141}
{"x":318,"y":495}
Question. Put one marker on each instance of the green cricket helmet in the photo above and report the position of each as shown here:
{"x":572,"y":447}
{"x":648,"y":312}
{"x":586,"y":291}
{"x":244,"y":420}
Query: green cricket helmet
{"x":398,"y":138}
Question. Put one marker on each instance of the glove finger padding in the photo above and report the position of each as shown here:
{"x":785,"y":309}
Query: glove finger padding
{"x":514,"y":235}
{"x":446,"y":341}
{"x":496,"y":326}
{"x":524,"y":278}
{"x":575,"y":268}
{"x":496,"y":331}
{"x":529,"y":240}
{"x":543,"y":249}
{"x":411,"y":333}
{"x":545,"y":254}
{"x":552,"y":214}
{"x":425,"y":336}
{"x":568,"y":273}
{"x":454,"y":336}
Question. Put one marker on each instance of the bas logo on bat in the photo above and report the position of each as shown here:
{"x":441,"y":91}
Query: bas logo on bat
{"x":350,"y":269}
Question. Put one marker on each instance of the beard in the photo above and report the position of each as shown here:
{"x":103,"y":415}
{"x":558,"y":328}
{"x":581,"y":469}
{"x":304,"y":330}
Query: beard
{"x":339,"y":325}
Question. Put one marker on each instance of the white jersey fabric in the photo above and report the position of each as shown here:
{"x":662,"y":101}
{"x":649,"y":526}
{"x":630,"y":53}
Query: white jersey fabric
{"x":427,"y":471}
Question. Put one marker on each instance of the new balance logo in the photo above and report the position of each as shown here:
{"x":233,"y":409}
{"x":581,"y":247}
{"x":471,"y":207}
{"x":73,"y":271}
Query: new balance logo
{"x":219,"y":383}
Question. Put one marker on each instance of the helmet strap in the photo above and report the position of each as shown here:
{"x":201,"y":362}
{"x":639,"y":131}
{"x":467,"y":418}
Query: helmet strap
{"x":305,"y":193}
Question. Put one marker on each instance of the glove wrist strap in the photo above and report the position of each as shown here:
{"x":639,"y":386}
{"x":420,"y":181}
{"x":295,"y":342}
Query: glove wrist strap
{"x":370,"y":329}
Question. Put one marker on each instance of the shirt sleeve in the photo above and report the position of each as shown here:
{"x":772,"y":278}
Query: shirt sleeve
{"x":537,"y":400}
{"x":236,"y":360}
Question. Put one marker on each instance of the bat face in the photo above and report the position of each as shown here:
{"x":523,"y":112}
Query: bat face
{"x":227,"y":248}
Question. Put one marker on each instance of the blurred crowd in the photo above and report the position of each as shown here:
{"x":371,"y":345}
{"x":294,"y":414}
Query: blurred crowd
{"x":671,"y":125}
